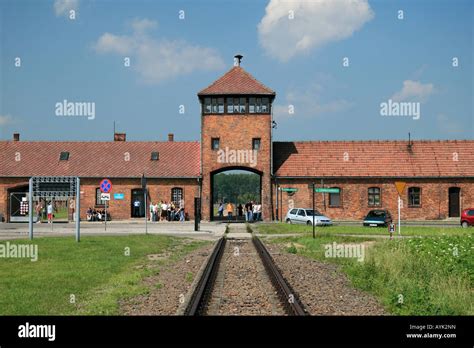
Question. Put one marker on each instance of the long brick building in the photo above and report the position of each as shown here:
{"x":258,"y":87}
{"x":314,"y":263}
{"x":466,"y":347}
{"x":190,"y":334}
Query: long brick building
{"x":236,"y":133}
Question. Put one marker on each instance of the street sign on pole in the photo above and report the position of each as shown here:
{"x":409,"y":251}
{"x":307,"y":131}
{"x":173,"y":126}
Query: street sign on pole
{"x":288,"y":189}
{"x":105,"y":186}
{"x":400,"y":186}
{"x":326,"y":190}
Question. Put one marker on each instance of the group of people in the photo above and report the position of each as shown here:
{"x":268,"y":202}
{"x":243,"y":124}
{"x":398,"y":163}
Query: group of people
{"x":167,"y":211}
{"x":96,"y":215}
{"x":39,"y":209}
{"x":252,"y":211}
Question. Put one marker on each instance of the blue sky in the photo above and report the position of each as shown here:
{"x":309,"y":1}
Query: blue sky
{"x":82,"y":60}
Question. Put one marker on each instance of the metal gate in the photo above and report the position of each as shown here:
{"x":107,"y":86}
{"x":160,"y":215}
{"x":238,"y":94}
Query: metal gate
{"x":19,"y":207}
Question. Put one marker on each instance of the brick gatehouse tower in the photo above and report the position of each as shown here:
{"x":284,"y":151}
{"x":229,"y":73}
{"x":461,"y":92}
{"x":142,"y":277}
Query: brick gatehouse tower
{"x":236,"y":133}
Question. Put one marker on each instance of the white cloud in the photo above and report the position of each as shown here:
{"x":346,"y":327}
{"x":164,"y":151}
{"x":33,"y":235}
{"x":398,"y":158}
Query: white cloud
{"x":413,"y":91}
{"x":158,"y":60}
{"x":315,"y":24}
{"x":310,"y":102}
{"x":142,"y":25}
{"x":62,"y":7}
{"x":5,"y":120}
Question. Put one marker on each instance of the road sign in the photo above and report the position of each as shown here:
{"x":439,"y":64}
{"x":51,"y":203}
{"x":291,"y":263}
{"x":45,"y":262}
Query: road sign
{"x":326,"y":190}
{"x":119,"y":196}
{"x":105,"y":186}
{"x":105,"y":196}
{"x":288,"y":189}
{"x":400,"y":185}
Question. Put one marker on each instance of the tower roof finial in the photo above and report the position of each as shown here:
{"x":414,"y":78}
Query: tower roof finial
{"x":237,"y":59}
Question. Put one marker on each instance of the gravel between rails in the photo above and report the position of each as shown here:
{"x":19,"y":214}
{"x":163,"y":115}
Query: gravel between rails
{"x":174,"y":280}
{"x":242,"y":286}
{"x":322,"y":287}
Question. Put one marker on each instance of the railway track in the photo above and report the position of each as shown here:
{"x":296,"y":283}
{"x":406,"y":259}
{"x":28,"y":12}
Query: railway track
{"x":241,"y":278}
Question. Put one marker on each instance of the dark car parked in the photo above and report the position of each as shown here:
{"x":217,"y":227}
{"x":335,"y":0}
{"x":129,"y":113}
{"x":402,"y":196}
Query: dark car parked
{"x":467,"y":217}
{"x":378,"y":218}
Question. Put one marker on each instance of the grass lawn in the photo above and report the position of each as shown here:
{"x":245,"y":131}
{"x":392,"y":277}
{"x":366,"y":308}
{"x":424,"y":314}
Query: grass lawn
{"x":96,"y":271}
{"x":283,"y":228}
{"x":416,"y":276}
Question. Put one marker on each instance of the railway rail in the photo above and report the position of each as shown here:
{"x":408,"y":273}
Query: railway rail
{"x":280,"y":289}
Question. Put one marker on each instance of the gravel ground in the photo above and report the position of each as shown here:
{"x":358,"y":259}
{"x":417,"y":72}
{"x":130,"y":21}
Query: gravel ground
{"x":242,"y":286}
{"x":169,"y":286}
{"x":322,"y":287}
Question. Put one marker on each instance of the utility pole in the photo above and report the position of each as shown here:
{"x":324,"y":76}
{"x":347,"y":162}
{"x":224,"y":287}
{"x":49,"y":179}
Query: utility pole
{"x":146,"y":209}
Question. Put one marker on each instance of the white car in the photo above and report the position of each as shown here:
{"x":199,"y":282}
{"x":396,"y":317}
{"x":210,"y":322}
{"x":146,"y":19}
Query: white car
{"x":305,"y":216}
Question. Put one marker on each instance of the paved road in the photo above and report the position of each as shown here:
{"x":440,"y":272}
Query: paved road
{"x":208,"y":230}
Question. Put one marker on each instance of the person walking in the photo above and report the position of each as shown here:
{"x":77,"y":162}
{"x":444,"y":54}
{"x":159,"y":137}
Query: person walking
{"x":38,"y":209}
{"x":155,"y":212}
{"x":255,"y":211}
{"x":152,"y":206}
{"x":230,"y":211}
{"x":164,"y":211}
{"x":259,"y":211}
{"x":172,"y":211}
{"x":250,"y":211}
{"x":220,"y":210}
{"x":181,"y":210}
{"x":136,"y":208}
{"x":240,"y":210}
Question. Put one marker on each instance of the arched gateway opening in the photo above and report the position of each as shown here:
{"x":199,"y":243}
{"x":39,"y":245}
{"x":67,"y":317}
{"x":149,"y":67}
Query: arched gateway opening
{"x":235,"y":185}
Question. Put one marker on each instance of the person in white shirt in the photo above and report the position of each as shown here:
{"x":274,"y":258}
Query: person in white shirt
{"x":259,"y":211}
{"x":151,"y":207}
{"x":254,"y":211}
{"x":49,"y":210}
{"x":164,"y":211}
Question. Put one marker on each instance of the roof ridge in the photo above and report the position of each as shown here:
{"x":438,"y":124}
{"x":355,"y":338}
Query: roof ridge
{"x":236,"y":78}
{"x":379,"y":141}
{"x":215,"y":81}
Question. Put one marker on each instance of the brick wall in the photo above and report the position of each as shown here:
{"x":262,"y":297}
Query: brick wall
{"x":236,"y":133}
{"x":354,"y":197}
{"x":159,"y":189}
{"x":354,"y":205}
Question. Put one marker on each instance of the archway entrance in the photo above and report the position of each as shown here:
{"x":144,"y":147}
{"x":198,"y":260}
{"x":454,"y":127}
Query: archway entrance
{"x":454,"y":206}
{"x":235,"y":185}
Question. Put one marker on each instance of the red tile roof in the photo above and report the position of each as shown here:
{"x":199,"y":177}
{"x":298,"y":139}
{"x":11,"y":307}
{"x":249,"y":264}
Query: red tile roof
{"x":99,"y":159}
{"x":374,"y":159}
{"x":238,"y":82}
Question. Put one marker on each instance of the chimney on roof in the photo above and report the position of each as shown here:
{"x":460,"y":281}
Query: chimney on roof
{"x":120,"y":136}
{"x":237,"y":59}
{"x":170,"y":137}
{"x":16,"y":136}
